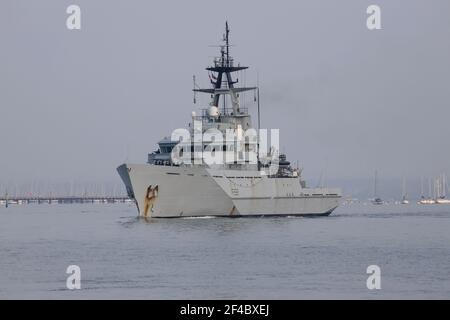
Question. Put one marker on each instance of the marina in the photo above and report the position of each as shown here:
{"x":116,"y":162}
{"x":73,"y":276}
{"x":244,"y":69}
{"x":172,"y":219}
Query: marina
{"x":61,"y":199}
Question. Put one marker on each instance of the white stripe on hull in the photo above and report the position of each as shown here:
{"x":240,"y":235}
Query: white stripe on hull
{"x":196,"y":191}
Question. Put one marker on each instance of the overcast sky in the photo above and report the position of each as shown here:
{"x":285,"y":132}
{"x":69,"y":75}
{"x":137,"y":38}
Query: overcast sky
{"x":76,"y":104}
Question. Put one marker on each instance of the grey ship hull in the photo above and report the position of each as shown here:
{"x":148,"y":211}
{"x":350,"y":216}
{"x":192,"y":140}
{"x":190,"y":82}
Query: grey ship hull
{"x":200,"y":191}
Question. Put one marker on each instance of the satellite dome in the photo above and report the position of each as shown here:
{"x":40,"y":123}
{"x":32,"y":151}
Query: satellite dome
{"x":213,"y":112}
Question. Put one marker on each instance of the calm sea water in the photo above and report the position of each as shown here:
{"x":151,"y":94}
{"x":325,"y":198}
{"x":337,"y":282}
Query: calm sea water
{"x":121,"y":256}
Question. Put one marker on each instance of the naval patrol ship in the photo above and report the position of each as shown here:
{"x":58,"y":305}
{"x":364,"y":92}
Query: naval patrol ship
{"x":168,"y":186}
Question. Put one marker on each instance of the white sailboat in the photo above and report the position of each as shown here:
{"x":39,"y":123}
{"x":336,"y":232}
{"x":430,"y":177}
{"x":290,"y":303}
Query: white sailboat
{"x":376,"y":199}
{"x":424,"y":200}
{"x":404,"y":194}
{"x":440,"y":187}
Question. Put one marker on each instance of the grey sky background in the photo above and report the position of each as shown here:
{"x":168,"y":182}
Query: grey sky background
{"x":76,"y":104}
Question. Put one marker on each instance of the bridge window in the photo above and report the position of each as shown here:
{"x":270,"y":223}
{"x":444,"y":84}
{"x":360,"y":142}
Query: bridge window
{"x":166,"y":149}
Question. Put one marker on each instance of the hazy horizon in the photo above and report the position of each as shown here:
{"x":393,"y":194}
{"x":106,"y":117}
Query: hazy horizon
{"x":76,"y":104}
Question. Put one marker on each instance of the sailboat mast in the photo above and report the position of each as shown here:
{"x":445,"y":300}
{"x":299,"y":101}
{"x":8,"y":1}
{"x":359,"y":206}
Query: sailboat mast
{"x":375,"y":185}
{"x":421,"y":187}
{"x":438,"y":187}
{"x":429,"y":188}
{"x":404,"y":188}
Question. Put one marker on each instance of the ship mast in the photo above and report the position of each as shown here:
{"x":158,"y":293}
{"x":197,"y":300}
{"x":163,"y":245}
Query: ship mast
{"x":223,"y":82}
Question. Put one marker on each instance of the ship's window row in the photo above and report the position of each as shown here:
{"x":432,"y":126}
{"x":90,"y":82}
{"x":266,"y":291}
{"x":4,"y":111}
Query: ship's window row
{"x":243,"y":177}
{"x":230,"y":147}
{"x":214,"y":176}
